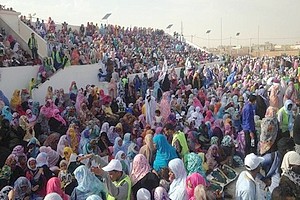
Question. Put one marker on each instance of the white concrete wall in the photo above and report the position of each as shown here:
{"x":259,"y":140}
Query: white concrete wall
{"x":12,"y":78}
{"x":11,"y":18}
{"x":82,"y":74}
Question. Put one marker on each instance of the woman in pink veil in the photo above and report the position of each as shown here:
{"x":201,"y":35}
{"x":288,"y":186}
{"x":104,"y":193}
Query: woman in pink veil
{"x":165,"y":107}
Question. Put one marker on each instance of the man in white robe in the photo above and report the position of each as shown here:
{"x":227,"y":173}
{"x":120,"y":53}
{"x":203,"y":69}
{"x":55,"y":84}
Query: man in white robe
{"x":150,"y":106}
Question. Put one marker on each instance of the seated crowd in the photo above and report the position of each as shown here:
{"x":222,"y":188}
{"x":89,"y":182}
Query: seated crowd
{"x":11,"y":54}
{"x":131,"y":49}
{"x":160,"y":137}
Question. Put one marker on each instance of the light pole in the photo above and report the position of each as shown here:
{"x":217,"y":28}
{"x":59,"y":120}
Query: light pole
{"x":208,"y":32}
{"x":237,"y":42}
{"x":106,"y":17}
{"x":250,"y":46}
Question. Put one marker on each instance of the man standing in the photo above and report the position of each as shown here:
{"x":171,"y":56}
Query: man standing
{"x":117,"y":182}
{"x":248,"y":126}
{"x":150,"y":103}
{"x":56,"y":57}
{"x":33,"y":46}
{"x":246,"y":187}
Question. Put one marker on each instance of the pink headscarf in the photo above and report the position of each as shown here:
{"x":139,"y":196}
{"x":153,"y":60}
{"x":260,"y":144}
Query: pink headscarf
{"x":54,"y":185}
{"x":192,"y":182}
{"x":165,"y":106}
{"x":56,"y":115}
{"x":79,"y":100}
{"x":140,"y":167}
{"x":53,"y":156}
{"x":197,"y":103}
{"x":209,"y":117}
{"x":48,"y":111}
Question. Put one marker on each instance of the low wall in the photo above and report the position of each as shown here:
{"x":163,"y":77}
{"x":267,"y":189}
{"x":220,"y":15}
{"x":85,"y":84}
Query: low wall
{"x":12,"y":78}
{"x":82,"y":74}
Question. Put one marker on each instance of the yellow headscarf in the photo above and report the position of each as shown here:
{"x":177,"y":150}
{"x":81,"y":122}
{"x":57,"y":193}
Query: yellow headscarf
{"x":74,"y":141}
{"x":15,"y":100}
{"x":67,"y":153}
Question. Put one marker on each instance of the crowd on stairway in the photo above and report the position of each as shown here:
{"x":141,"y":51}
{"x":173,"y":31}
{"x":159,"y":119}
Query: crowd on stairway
{"x":130,"y":50}
{"x":11,"y":54}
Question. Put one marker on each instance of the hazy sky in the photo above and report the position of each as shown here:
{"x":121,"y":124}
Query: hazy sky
{"x":278,"y":20}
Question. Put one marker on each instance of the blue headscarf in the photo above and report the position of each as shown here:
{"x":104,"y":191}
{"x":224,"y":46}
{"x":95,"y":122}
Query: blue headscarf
{"x":84,"y":139}
{"x":126,"y":142}
{"x":35,"y":149}
{"x":165,"y":152}
{"x":4,"y":98}
{"x":194,"y":163}
{"x":118,"y":148}
{"x":6,"y":113}
{"x":88,"y":183}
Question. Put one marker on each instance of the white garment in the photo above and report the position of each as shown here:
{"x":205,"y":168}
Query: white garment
{"x":143,"y":194}
{"x":290,"y":158}
{"x":178,"y":186}
{"x":150,"y":108}
{"x":247,"y":188}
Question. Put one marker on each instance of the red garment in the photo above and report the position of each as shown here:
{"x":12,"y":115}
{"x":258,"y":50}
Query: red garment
{"x":41,"y":182}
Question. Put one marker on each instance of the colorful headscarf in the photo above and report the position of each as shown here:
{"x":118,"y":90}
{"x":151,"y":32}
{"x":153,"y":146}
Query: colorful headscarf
{"x":6,"y":113}
{"x":290,"y":158}
{"x":268,"y":135}
{"x":140,"y":168}
{"x":126,"y":142}
{"x":194,"y":163}
{"x":19,"y":185}
{"x":165,"y":152}
{"x":192,"y":182}
{"x":211,"y":156}
{"x":88,"y":183}
{"x":117,"y":147}
{"x":53,"y":156}
{"x":54,"y":185}
{"x":67,"y":153}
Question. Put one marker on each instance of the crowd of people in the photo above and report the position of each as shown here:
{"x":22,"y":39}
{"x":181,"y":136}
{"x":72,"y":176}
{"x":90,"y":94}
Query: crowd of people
{"x":159,"y":137}
{"x":11,"y":54}
{"x":131,"y":50}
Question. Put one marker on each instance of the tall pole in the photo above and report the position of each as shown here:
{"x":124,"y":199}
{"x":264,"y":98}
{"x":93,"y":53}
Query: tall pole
{"x":221,"y":32}
{"x":237,"y":45}
{"x":258,"y":50}
{"x":181,"y":31}
{"x":250,"y":47}
{"x":230,"y":45}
